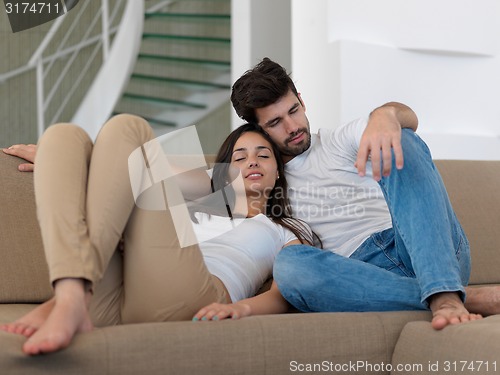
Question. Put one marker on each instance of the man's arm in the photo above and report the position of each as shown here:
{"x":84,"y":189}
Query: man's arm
{"x":382,"y":135}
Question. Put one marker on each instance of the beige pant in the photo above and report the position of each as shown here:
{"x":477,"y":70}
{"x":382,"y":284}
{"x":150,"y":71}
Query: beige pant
{"x":85,"y":206}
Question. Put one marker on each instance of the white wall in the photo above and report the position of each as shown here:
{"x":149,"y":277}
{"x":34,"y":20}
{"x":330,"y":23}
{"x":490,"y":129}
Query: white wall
{"x":259,"y":28}
{"x":442,"y":58}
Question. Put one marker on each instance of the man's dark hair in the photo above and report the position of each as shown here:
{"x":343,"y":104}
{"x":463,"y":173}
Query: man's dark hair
{"x":259,"y":87}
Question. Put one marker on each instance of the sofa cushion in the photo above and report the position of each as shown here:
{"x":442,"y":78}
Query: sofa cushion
{"x":272,"y":344}
{"x":469,"y":348}
{"x":473,"y":189}
{"x":23,"y":270}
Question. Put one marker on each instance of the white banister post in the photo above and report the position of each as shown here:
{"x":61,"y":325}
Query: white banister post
{"x":105,"y":29}
{"x":40,"y":97}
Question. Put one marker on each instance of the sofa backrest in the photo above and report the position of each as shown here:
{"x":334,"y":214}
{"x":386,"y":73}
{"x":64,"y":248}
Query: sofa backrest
{"x":472,"y":185}
{"x":474,"y":191}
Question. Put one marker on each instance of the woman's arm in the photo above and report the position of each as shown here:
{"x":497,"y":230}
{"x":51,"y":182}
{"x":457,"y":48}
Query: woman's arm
{"x":270,"y":302}
{"x":26,"y":152}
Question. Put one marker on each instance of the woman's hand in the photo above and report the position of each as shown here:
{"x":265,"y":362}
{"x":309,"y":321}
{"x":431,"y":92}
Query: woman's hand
{"x":218,"y":311}
{"x":26,"y":152}
{"x":270,"y":302}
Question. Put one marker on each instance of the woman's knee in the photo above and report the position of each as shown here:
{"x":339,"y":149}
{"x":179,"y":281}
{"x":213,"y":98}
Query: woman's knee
{"x":126,"y":126}
{"x":64,"y":136}
{"x":64,"y":131}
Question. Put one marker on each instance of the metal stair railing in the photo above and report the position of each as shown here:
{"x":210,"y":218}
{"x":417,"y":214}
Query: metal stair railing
{"x":117,"y":64}
{"x":101,"y":98}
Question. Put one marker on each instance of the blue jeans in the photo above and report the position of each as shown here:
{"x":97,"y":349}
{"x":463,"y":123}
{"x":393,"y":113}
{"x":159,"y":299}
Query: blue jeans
{"x":426,"y":251}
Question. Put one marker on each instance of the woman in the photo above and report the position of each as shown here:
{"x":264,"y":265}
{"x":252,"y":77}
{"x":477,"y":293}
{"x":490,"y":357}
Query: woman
{"x":85,"y":206}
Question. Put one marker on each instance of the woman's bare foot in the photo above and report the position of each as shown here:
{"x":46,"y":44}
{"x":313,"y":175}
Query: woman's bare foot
{"x":447,"y":308}
{"x":483,"y":300}
{"x":69,"y":315}
{"x":29,"y":323}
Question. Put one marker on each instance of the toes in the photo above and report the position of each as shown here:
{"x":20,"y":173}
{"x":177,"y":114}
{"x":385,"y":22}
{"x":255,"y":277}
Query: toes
{"x":25,"y":330}
{"x":439,"y":322}
{"x":29,"y":331}
{"x":19,"y":329}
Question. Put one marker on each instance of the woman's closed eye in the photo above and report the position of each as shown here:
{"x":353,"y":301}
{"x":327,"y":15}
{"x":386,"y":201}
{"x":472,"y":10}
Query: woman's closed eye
{"x":239,"y":158}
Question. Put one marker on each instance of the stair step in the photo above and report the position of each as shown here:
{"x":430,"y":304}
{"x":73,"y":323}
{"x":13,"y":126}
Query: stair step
{"x":199,"y":6}
{"x":188,"y":15}
{"x":186,"y":37}
{"x":184,"y":27}
{"x":153,"y":120}
{"x":186,"y":49}
{"x":148,"y":109}
{"x":164,"y":101}
{"x":158,"y":68}
{"x":158,"y":89}
{"x":184,"y":59}
{"x":181,"y":81}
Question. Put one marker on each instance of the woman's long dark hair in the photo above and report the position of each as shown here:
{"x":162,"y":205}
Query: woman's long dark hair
{"x":278,"y":207}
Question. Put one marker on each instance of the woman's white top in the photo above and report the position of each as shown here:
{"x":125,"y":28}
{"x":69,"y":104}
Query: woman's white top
{"x":240,"y":252}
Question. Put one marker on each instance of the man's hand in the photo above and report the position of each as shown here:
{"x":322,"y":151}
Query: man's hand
{"x":26,"y":152}
{"x":382,"y":136}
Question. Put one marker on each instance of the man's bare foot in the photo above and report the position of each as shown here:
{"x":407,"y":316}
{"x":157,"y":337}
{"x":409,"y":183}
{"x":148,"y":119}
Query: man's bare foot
{"x":29,"y":323}
{"x":69,"y":315}
{"x":447,"y":308}
{"x":483,"y":300}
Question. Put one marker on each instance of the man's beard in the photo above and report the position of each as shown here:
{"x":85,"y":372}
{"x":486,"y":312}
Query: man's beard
{"x":294,"y":150}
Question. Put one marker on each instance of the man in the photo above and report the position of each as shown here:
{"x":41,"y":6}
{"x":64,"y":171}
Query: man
{"x":391,"y":242}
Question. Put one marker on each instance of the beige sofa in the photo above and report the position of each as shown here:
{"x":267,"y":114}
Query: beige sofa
{"x":381,"y":343}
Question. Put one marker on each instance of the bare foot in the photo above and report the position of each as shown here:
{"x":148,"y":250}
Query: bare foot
{"x":69,"y":315}
{"x":29,"y":323}
{"x":447,"y":308}
{"x":483,"y":300}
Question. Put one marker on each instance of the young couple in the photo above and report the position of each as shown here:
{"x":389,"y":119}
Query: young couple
{"x":390,"y":238}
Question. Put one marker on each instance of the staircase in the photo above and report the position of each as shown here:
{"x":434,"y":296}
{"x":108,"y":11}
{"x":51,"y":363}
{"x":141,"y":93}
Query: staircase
{"x":182,"y":73}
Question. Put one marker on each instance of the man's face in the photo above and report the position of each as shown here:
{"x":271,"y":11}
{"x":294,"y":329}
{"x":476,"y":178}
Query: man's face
{"x":286,"y":123}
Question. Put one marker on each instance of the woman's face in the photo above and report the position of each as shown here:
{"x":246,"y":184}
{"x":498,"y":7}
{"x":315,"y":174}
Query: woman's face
{"x":253,"y":157}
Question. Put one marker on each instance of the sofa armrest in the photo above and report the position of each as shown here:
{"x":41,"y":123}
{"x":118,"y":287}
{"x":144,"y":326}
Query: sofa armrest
{"x":23,"y":269}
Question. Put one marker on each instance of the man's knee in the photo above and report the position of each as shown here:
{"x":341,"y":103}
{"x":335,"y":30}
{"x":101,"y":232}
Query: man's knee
{"x":289,"y":263}
{"x":414,"y":146}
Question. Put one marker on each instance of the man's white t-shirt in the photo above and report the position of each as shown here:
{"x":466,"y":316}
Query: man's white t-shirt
{"x":240,"y":252}
{"x":326,"y":191}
